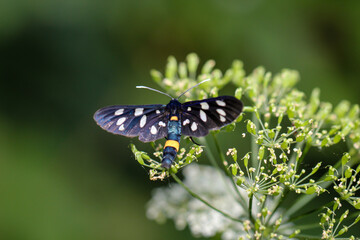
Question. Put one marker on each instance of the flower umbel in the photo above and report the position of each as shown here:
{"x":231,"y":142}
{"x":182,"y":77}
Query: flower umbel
{"x":269,"y":190}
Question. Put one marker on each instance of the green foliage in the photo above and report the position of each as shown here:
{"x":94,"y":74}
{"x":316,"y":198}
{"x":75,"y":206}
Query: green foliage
{"x":283,"y":126}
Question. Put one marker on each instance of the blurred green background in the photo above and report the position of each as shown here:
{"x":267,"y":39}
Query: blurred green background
{"x":61,"y":176}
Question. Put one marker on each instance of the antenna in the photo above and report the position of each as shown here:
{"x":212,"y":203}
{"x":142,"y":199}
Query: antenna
{"x":155,"y":90}
{"x":193,"y":87}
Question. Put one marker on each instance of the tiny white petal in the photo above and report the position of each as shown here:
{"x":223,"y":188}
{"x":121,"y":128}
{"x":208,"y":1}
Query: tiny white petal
{"x":187,"y":121}
{"x":138,"y":111}
{"x":119,"y":112}
{"x":143,"y":121}
{"x":122,"y":128}
{"x":203,"y":116}
{"x":120,"y":121}
{"x":221,"y":112}
{"x":193,"y":126}
{"x":153,"y":130}
{"x":222,"y":119}
{"x":220,"y":103}
{"x":204,"y":105}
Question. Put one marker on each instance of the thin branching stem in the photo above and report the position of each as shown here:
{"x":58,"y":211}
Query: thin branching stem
{"x":203,"y":200}
{"x":223,"y":160}
{"x":213,"y":162}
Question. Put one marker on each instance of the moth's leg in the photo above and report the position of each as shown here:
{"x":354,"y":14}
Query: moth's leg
{"x":194,"y":141}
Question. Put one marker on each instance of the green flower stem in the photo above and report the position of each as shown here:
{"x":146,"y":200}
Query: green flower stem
{"x":303,"y":200}
{"x":250,"y":209}
{"x":306,"y":150}
{"x":203,"y":200}
{"x":279,"y":200}
{"x":254,"y":146}
{"x":223,"y":160}
{"x":212,"y":159}
{"x":218,"y":148}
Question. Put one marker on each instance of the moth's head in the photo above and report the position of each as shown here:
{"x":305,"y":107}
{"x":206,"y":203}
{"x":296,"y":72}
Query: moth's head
{"x":173,"y":106}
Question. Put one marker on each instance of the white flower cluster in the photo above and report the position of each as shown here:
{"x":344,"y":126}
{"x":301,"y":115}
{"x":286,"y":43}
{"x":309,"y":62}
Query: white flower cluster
{"x":177,"y":204}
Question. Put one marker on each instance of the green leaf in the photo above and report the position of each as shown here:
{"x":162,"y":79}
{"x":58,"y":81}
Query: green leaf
{"x":145,"y":156}
{"x":264,"y":212}
{"x":314,"y":101}
{"x":192,"y":62}
{"x":230,"y":127}
{"x":314,"y":170}
{"x":208,"y":66}
{"x":358,"y":169}
{"x":324,"y":141}
{"x":156,"y":76}
{"x":251,"y":128}
{"x":346,"y":130}
{"x":238,"y":93}
{"x":234,"y":169}
{"x":296,"y":232}
{"x":311,"y":190}
{"x":300,"y":137}
{"x":284,"y":145}
{"x":139,"y":158}
{"x":280,"y":118}
{"x":272,"y":134}
{"x":357,"y":218}
{"x":261,"y":152}
{"x":337,"y":138}
{"x":354,"y":112}
{"x":348,"y":173}
{"x":240,"y":180}
{"x":171,"y":68}
{"x":342,"y":108}
{"x":246,"y":162}
{"x":344,"y":215}
{"x":343,"y":230}
{"x":345,"y":158}
{"x":182,"y":70}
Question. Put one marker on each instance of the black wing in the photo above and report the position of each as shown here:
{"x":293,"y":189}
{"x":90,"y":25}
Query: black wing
{"x":198,"y":117}
{"x":149,"y":122}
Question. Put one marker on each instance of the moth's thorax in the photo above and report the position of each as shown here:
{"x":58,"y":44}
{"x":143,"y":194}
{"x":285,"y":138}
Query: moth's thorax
{"x":174,"y":106}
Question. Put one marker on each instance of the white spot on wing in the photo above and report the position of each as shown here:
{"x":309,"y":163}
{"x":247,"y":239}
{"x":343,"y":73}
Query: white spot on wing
{"x":221,"y":112}
{"x":189,"y":109}
{"x":203,"y":116}
{"x":220,"y":103}
{"x":153,"y":130}
{"x":138,"y":111}
{"x":122,"y":128}
{"x":120,"y":121}
{"x":143,"y":121}
{"x":119,"y":112}
{"x":204,"y":105}
{"x":157,"y":111}
{"x":194,"y":126}
{"x":222,"y":119}
{"x":187,"y":121}
{"x":162,"y":124}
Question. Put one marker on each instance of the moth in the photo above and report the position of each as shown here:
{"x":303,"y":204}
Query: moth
{"x":153,"y":122}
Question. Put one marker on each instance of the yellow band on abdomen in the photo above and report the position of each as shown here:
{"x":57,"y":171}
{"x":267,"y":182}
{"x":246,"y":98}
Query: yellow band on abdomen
{"x":172,"y":143}
{"x":174,"y":118}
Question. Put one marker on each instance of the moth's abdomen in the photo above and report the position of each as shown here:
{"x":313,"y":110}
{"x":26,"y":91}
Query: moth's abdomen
{"x":169,"y":154}
{"x":173,"y":142}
